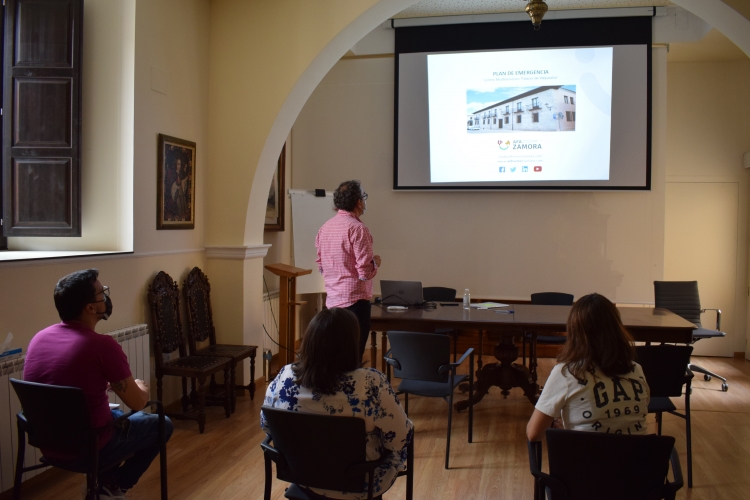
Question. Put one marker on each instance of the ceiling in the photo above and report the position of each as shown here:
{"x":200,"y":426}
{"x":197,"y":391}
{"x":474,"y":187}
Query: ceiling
{"x":713,"y":47}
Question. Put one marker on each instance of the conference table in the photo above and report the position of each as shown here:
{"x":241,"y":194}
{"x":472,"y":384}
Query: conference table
{"x":644,"y":324}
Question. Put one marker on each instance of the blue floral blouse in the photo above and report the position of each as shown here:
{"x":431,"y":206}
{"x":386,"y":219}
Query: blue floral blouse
{"x":363,"y":393}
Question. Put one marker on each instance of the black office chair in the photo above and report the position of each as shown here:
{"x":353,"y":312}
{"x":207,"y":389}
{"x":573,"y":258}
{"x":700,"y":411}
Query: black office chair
{"x":443,"y":294}
{"x":422,"y":362}
{"x":547,"y":299}
{"x":322,"y":451}
{"x":665,"y":369}
{"x":56,"y":419}
{"x":595,"y":465}
{"x":681,"y":297}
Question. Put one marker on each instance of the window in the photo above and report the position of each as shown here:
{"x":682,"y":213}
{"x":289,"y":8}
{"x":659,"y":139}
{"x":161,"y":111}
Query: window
{"x":507,"y":120}
{"x":535,"y":117}
{"x":571,"y":100}
{"x":494,"y":120}
{"x":520,"y":108}
{"x":535,"y":102}
{"x":518,"y":118}
{"x":507,"y":108}
{"x":41,"y":149}
{"x":566,"y":99}
{"x":574,"y":115}
{"x":568,"y":116}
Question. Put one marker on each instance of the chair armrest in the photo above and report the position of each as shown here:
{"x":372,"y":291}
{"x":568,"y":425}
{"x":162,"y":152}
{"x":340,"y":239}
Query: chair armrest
{"x":453,"y":366}
{"x":535,"y":456}
{"x":468,"y":353}
{"x":393,"y":362}
{"x":271,"y":452}
{"x":718,"y":316}
{"x":676,"y":470}
{"x":23,"y":424}
{"x":367,"y":467}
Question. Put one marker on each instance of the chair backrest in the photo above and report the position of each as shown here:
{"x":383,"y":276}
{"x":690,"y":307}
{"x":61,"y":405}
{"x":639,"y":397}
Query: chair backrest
{"x":664,"y":368}
{"x":58,"y":417}
{"x":420,"y":355}
{"x":552,"y":299}
{"x":595,"y":465}
{"x":439,"y":294}
{"x":318,"y":449}
{"x":197,"y":292}
{"x":164,"y":299}
{"x":680,"y":297}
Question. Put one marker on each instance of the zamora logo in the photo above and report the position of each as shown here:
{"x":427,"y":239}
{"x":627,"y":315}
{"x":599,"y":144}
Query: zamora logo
{"x":503,"y":145}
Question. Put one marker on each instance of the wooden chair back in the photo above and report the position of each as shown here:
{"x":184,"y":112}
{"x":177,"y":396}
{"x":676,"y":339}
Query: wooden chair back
{"x":164,"y":299}
{"x":197,"y":292}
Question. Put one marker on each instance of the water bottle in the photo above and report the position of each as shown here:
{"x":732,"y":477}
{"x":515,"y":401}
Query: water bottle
{"x":467,"y":299}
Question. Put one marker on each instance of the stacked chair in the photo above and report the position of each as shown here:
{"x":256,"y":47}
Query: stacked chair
{"x":198,"y":363}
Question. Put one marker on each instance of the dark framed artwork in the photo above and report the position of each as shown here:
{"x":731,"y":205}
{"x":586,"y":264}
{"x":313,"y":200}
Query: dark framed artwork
{"x":175,"y":200}
{"x":275,"y":205}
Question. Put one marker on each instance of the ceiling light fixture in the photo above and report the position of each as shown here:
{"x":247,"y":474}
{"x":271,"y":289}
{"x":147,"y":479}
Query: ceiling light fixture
{"x":536,"y":10}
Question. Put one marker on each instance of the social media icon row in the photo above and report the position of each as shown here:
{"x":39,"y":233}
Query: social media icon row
{"x":523,"y":169}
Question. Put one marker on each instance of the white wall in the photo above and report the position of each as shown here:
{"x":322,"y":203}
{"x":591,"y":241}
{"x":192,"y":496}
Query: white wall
{"x":498,"y":244}
{"x":707,"y":215}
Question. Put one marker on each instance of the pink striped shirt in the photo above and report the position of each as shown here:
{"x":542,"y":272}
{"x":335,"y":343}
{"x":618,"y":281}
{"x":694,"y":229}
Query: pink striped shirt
{"x":345,"y":259}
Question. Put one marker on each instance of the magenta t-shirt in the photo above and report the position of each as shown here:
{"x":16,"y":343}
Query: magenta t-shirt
{"x":73,"y":355}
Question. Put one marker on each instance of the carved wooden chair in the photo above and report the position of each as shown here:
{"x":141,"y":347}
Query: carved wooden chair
{"x":164,"y":299}
{"x":201,"y":328}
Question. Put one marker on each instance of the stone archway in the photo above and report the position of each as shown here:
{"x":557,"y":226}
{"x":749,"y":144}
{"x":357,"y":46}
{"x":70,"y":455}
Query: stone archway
{"x":715,"y":12}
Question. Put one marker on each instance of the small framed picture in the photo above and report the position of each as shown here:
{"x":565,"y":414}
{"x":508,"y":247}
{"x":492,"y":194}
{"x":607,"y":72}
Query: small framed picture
{"x":175,"y":200}
{"x":275,"y":205}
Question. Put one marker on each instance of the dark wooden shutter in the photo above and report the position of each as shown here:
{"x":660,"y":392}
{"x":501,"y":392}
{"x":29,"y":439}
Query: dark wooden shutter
{"x":42,"y":118}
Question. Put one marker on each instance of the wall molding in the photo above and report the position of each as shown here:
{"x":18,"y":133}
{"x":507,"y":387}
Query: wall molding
{"x":238,"y":252}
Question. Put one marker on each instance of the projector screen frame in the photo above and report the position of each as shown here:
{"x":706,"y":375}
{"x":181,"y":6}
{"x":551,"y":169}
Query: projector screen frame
{"x":521,"y":35}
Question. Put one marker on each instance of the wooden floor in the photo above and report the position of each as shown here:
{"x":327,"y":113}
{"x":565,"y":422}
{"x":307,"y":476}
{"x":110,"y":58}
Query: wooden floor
{"x":226,"y":461}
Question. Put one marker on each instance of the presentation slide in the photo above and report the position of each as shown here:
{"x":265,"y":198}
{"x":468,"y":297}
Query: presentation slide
{"x":520,"y":115}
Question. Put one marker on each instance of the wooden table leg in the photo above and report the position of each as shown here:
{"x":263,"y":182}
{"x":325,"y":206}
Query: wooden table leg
{"x":505,"y":375}
{"x":384,"y":347}
{"x":373,"y":350}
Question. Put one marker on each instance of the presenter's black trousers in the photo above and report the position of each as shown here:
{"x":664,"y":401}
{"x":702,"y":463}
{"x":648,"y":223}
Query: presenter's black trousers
{"x":361,"y":310}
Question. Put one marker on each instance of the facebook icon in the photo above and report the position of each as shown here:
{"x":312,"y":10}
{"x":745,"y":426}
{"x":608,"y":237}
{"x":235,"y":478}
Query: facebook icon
{"x":502,"y":170}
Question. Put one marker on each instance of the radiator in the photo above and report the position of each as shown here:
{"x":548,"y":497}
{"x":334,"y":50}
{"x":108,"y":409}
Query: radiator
{"x":271,"y":311}
{"x":134,"y":341}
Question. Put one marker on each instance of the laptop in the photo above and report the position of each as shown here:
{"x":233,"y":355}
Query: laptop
{"x":401,"y":293}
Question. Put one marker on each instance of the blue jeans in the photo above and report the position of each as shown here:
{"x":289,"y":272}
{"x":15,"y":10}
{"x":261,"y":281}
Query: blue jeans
{"x":140,"y":439}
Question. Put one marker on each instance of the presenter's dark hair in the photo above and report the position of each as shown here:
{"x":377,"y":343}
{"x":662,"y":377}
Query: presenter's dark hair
{"x":597,"y":339}
{"x":347,"y":195}
{"x":73,"y":292}
{"x":329,"y":348}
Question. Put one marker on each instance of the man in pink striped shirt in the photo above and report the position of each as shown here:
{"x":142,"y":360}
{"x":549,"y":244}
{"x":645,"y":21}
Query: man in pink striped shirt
{"x":345,"y":257}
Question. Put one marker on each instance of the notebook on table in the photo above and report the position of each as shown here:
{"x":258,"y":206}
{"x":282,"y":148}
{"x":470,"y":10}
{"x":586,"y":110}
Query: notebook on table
{"x":401,"y":293}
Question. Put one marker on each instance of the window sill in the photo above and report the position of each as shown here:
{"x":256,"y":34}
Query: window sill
{"x":27,"y":256}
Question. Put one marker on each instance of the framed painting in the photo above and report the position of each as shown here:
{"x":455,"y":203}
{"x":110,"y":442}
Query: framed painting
{"x":175,"y":200}
{"x":275,"y":205}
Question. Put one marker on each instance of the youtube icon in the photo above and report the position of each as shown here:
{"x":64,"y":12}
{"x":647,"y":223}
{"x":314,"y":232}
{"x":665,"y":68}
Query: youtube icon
{"x":537,"y":169}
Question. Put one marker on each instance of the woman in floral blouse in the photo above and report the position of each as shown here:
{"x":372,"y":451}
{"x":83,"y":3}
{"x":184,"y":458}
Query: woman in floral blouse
{"x":327,"y":380}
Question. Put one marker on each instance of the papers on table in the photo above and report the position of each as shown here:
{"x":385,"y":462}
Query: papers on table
{"x":488,"y":305}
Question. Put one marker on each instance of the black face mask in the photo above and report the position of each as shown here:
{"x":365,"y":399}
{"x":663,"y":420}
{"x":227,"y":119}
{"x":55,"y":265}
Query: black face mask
{"x":107,"y":308}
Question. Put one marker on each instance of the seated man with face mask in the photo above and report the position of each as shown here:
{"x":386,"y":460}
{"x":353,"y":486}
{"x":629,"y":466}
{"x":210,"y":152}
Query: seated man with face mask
{"x":72,"y":354}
